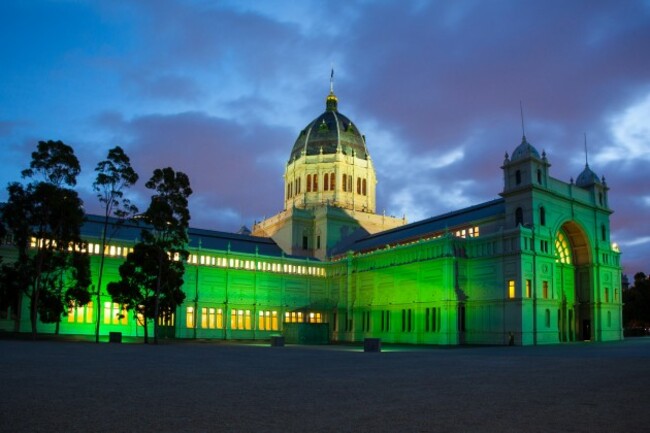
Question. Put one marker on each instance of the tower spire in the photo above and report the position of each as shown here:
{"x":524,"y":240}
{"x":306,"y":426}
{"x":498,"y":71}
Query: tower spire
{"x":331,"y":103}
{"x":523,"y":130}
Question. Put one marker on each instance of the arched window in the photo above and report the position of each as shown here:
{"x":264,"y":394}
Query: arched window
{"x":562,"y":249}
{"x":358,"y":185}
{"x":364,"y":187}
{"x":332,"y":181}
{"x":519,"y":217}
{"x":542,"y":216}
{"x":314,"y":182}
{"x":518,"y":177}
{"x":344,"y":185}
{"x":309,"y":183}
{"x":326,"y":182}
{"x":539,"y":176}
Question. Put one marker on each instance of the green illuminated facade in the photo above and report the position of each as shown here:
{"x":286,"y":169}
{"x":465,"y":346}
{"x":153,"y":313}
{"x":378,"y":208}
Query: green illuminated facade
{"x":535,"y":266}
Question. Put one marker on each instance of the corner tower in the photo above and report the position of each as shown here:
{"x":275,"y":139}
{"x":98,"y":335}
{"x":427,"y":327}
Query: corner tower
{"x":329,"y":189}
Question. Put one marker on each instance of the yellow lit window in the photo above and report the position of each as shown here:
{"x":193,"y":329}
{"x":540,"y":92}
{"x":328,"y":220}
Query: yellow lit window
{"x":189,"y":317}
{"x":511,"y":289}
{"x":528,"y":288}
{"x":562,"y":249}
{"x":114,"y":314}
{"x":545,"y":289}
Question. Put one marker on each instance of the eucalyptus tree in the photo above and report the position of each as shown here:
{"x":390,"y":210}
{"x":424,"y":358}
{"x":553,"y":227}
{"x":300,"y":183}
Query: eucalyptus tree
{"x":45,"y":218}
{"x":152,"y":275}
{"x":114,"y":175}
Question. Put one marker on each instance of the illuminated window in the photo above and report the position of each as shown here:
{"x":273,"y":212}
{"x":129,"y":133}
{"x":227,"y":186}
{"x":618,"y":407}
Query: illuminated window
{"x":114,"y":314}
{"x":166,"y":318}
{"x":268,"y":321}
{"x":615,"y":295}
{"x":511,"y":289}
{"x":545,"y":289}
{"x":528,"y":288}
{"x":562,"y":249}
{"x":189,"y":317}
{"x":314,"y":317}
{"x":81,"y":314}
{"x":294,"y":317}
{"x":211,"y":318}
{"x":240,"y":319}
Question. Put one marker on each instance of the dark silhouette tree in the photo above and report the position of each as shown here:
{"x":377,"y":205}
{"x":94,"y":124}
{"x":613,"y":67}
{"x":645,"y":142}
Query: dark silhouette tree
{"x":152,"y":275}
{"x":44,"y":218}
{"x":636,"y":303}
{"x":114,"y":175}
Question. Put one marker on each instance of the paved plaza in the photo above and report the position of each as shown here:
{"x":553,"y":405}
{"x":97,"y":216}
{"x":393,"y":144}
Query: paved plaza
{"x":181,"y":386}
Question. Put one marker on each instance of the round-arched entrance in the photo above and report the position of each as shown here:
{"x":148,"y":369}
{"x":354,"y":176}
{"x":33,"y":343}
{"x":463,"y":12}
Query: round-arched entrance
{"x":573,"y":283}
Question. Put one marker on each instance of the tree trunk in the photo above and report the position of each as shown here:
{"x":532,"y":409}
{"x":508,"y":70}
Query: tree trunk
{"x":99,"y":279}
{"x":156,"y":310}
{"x":146,"y":331}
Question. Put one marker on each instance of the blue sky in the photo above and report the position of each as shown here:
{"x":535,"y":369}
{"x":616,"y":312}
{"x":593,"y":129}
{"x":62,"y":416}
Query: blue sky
{"x":220,"y":90}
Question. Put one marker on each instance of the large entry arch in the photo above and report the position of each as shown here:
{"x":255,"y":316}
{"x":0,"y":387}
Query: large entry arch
{"x":573,"y":283}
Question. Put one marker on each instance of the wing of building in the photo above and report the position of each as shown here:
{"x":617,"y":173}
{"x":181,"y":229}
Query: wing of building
{"x":534,"y":266}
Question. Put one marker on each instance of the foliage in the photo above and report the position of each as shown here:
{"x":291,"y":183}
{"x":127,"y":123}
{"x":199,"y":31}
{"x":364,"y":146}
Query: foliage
{"x":636,"y":303}
{"x":152,"y":275}
{"x":114,"y":174}
{"x":48,"y":215}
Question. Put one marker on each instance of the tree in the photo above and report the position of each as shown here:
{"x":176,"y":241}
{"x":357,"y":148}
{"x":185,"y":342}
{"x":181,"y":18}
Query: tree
{"x":44,"y":218}
{"x":152,"y":275}
{"x":114,"y":174}
{"x":636,"y":303}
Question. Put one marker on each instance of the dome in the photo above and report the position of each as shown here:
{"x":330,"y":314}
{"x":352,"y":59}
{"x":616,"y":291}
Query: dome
{"x":329,"y":131}
{"x":524,"y":150}
{"x":587,"y":178}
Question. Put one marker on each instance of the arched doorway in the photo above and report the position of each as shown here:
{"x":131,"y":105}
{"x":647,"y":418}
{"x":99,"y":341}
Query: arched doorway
{"x":573,"y":283}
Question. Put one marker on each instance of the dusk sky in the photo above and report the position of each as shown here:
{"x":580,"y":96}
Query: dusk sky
{"x":221,"y":89}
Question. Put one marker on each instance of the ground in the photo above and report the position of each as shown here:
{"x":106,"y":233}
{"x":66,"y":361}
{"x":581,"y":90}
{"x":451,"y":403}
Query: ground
{"x":73,"y":386}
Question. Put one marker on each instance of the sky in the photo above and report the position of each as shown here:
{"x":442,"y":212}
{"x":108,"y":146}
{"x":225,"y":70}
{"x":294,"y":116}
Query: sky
{"x":221,"y":89}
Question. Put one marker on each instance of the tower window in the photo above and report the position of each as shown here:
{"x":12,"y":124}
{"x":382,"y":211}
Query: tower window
{"x":364,"y":189}
{"x":309,"y":183}
{"x":345,"y":182}
{"x":518,"y":177}
{"x":539,"y":176}
{"x":358,"y":185}
{"x":542,"y":216}
{"x":326,"y":182}
{"x":332,"y":181}
{"x":314,"y":182}
{"x":603,"y":232}
{"x":519,"y":217}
